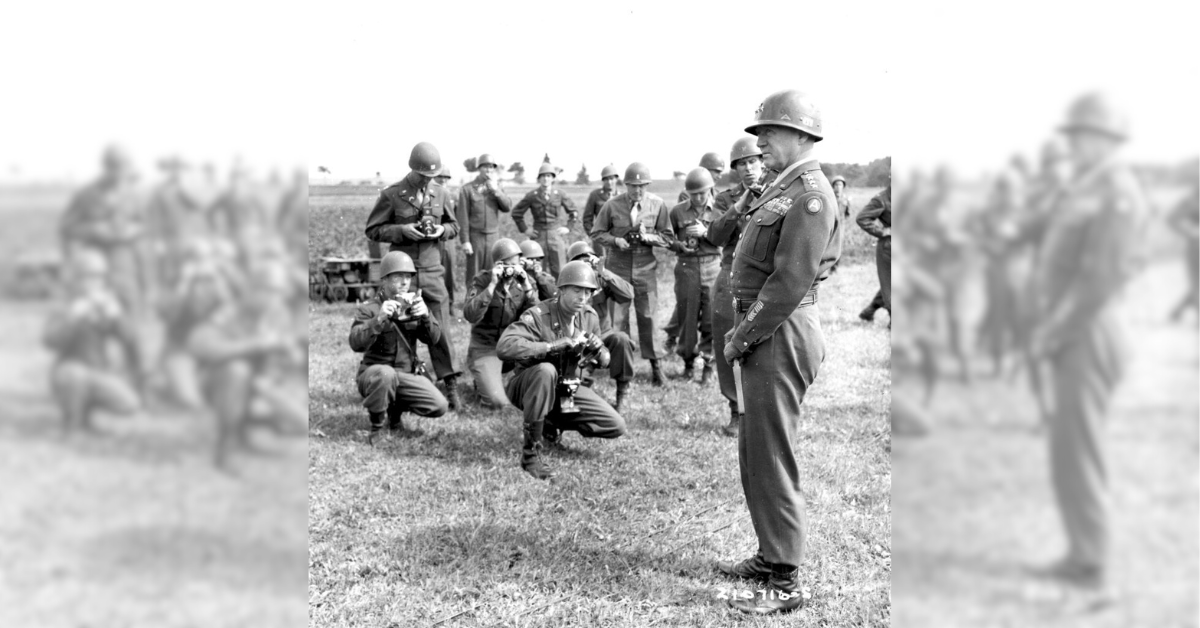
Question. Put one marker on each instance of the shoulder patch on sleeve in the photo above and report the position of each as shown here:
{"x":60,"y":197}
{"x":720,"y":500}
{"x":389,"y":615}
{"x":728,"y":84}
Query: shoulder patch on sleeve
{"x":813,"y":205}
{"x":528,"y":317}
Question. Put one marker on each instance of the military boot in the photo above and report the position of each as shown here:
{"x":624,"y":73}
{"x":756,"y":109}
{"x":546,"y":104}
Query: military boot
{"x":395,"y":416}
{"x":868,"y":313}
{"x":452,"y":397}
{"x":735,"y":423}
{"x":531,"y":459}
{"x":781,"y":595}
{"x":552,"y":436}
{"x":656,"y":376}
{"x":706,"y":374}
{"x":378,"y":420}
{"x":753,"y":568}
{"x":622,"y":392}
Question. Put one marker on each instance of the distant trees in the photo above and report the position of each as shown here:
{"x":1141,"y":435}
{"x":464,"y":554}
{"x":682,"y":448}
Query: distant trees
{"x":679,"y":176}
{"x":874,"y":174}
{"x":469,"y":164}
{"x":518,"y":173}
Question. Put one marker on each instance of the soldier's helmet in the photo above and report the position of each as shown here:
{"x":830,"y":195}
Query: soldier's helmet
{"x":1096,"y":112}
{"x":637,"y":174}
{"x":578,"y":273}
{"x":1053,"y":151}
{"x":396,"y":262}
{"x":547,"y":169}
{"x":609,"y":171}
{"x":698,"y":180}
{"x":790,"y":108}
{"x":837,"y":178}
{"x":712,"y":161}
{"x":504,"y":248}
{"x":743,"y":148}
{"x":484,"y":160}
{"x":445,"y":172}
{"x":531,"y":249}
{"x":582,"y":247}
{"x":425,"y":159}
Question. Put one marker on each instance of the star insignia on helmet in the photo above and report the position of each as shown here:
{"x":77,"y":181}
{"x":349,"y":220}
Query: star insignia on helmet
{"x":759,"y":110}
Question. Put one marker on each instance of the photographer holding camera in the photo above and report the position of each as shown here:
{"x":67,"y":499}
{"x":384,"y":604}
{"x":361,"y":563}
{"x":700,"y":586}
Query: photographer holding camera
{"x":532,"y":257}
{"x":549,"y":344}
{"x":695,"y":272}
{"x":497,"y":297}
{"x":613,"y":289}
{"x":386,"y":330}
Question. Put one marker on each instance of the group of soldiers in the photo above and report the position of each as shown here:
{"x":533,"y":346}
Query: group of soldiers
{"x":546,"y":314}
{"x":171,"y":300}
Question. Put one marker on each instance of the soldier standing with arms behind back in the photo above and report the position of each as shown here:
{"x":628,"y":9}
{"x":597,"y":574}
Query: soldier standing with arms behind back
{"x":598,"y":197}
{"x":546,"y":204}
{"x":789,"y":246}
{"x":479,"y":205}
{"x":413,"y":215}
{"x":746,"y":160}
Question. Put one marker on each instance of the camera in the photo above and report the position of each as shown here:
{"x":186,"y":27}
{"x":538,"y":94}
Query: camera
{"x":692,"y":242}
{"x":427,"y":224}
{"x":507,"y":272}
{"x":404,"y":312}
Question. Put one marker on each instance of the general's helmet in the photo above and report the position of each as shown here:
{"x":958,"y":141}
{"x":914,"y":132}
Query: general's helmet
{"x":609,"y":171}
{"x":637,"y":174}
{"x":547,"y":168}
{"x":1095,"y":112}
{"x":578,"y":273}
{"x":790,"y":108}
{"x":485,"y":159}
{"x":532,"y":250}
{"x":698,"y":180}
{"x":425,"y":159}
{"x":396,"y":262}
{"x":712,"y":161}
{"x":582,"y":247}
{"x":743,"y":148}
{"x":504,"y":248}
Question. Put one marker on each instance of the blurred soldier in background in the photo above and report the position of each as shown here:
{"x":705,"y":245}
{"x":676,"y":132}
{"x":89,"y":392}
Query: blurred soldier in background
{"x":696,"y":268}
{"x":843,"y":199}
{"x":876,"y":219}
{"x":532,"y":256}
{"x":997,"y":227}
{"x":612,"y":290}
{"x":449,"y":248}
{"x":479,"y":205}
{"x":1077,"y":329}
{"x":497,"y":297}
{"x":82,"y":379}
{"x":238,"y":207}
{"x":549,"y":344}
{"x":385,"y":330}
{"x":630,"y":225}
{"x":725,"y":230}
{"x":415,"y":217}
{"x":1185,"y":220}
{"x":778,"y":340}
{"x":546,"y":204}
{"x":715,"y":165}
{"x":173,"y":216}
{"x":105,"y":216}
{"x":598,"y":197}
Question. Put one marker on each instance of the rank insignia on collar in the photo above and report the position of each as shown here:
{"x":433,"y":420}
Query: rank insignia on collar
{"x":813,"y":205}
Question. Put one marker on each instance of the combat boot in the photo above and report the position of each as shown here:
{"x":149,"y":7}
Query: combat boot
{"x":868,"y":313}
{"x":452,"y":397}
{"x":378,"y":419}
{"x":656,"y":376}
{"x":552,"y":437}
{"x":395,"y":416}
{"x":706,"y":374}
{"x":531,"y":459}
{"x":735,"y":423}
{"x":688,"y":373}
{"x":622,"y":392}
{"x":753,"y":568}
{"x":781,"y":595}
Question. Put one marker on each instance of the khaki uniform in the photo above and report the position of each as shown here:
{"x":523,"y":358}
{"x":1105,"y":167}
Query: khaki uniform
{"x":591,"y":208}
{"x":533,"y":387}
{"x":724,"y":231}
{"x":399,"y":204}
{"x":389,"y":373}
{"x":874,"y":218}
{"x":450,"y":257}
{"x":546,"y":207}
{"x":478,"y":211}
{"x":695,"y":274}
{"x":637,"y":264}
{"x":489,"y":313}
{"x":790,"y":244}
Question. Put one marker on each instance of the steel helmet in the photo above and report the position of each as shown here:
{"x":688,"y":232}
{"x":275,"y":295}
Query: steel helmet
{"x":637,"y":174}
{"x":712,"y":161}
{"x":1096,"y":112}
{"x":425,"y":159}
{"x":532,"y":250}
{"x":1053,"y":151}
{"x":484,"y":159}
{"x":504,"y":248}
{"x":445,"y":172}
{"x":396,"y":262}
{"x":582,"y":247}
{"x":698,"y":180}
{"x":743,"y":148}
{"x":547,"y":168}
{"x":837,"y":178}
{"x":609,"y":171}
{"x":578,"y":273}
{"x":790,"y":108}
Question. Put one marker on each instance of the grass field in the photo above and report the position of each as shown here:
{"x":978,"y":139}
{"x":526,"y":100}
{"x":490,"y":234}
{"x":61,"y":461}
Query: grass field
{"x":446,"y":526}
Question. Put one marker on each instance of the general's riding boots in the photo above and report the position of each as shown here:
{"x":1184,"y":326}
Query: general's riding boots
{"x":781,"y":595}
{"x":531,"y":459}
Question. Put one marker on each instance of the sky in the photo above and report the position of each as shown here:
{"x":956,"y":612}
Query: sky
{"x":353,"y":86}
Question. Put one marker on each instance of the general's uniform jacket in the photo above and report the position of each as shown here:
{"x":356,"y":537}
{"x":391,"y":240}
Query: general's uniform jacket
{"x":800,"y":211}
{"x":397,"y":205}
